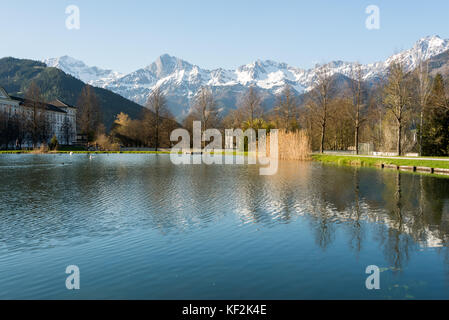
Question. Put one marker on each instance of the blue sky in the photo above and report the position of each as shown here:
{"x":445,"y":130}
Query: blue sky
{"x":131,"y":34}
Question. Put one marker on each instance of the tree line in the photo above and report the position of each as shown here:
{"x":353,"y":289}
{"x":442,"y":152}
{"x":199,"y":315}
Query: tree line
{"x":408,"y":111}
{"x":154,"y":127}
{"x":405,"y":112}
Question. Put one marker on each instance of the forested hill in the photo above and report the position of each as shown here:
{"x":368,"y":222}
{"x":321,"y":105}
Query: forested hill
{"x":17,"y":74}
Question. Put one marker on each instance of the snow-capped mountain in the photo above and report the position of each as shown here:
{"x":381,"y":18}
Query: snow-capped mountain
{"x":92,"y":75}
{"x":181,"y":80}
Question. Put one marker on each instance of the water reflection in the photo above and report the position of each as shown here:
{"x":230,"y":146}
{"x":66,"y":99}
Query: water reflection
{"x":48,"y":201}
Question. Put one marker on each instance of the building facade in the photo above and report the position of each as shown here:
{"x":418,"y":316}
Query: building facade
{"x":19,"y":124}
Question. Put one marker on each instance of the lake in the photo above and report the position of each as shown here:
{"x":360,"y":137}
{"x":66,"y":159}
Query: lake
{"x":139,"y":227}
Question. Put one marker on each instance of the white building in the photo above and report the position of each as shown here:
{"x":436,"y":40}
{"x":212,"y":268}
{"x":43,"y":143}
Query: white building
{"x":60,"y":118}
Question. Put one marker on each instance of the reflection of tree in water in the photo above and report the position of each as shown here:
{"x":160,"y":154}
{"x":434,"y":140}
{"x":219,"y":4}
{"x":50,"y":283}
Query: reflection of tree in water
{"x":419,"y":203}
{"x":414,"y":206}
{"x":324,"y":229}
{"x":413,"y":210}
{"x":398,"y":243}
{"x":355,"y":227}
{"x":397,"y":247}
{"x":323,"y":214}
{"x":410,"y":206}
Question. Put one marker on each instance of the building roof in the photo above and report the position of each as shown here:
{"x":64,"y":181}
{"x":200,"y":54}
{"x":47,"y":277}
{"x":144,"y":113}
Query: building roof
{"x":3,"y":93}
{"x":61,"y":104}
{"x":54,"y":106}
{"x":48,"y":106}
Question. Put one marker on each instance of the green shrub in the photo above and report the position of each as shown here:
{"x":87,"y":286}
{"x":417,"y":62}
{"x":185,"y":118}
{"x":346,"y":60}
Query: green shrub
{"x":53,"y":143}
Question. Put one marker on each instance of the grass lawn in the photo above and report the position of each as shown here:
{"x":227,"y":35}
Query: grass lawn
{"x":367,"y":161}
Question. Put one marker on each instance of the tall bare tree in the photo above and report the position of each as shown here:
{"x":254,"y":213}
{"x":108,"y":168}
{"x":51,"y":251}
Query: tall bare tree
{"x":88,"y":116}
{"x":38,"y":122}
{"x":250,"y":106}
{"x":357,"y":101}
{"x":321,"y":100}
{"x":205,"y":109}
{"x":3,"y":129}
{"x":66,"y":130}
{"x":157,"y":105}
{"x":233,"y":119}
{"x":287,"y":109}
{"x":397,"y":99}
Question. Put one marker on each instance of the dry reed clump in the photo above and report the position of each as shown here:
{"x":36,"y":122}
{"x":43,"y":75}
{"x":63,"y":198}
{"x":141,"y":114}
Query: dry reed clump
{"x":104,"y":143}
{"x":293,"y":145}
{"x":42,"y":149}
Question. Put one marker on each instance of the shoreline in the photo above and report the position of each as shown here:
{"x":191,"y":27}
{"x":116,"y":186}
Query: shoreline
{"x":108,"y":152}
{"x":438,"y":167}
{"x":430,"y":166}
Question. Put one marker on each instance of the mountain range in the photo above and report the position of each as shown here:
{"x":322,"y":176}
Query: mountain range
{"x":181,"y":80}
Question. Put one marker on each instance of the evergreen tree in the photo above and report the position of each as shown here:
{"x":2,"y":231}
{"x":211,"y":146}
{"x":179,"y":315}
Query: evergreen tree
{"x":435,"y":128}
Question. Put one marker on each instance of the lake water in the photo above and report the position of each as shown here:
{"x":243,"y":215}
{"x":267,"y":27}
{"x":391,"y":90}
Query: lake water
{"x":139,"y":227}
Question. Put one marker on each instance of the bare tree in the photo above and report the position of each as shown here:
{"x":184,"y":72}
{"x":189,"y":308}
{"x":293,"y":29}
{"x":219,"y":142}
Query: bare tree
{"x":287,"y":109}
{"x":233,"y":119}
{"x":397,"y":99}
{"x":89,"y":117}
{"x":66,"y":130}
{"x":157,"y":104}
{"x":250,"y":105}
{"x":21,"y":120}
{"x":205,"y":109}
{"x":38,"y":122}
{"x":375,"y":113}
{"x":3,"y":129}
{"x":320,"y":100}
{"x":357,"y":101}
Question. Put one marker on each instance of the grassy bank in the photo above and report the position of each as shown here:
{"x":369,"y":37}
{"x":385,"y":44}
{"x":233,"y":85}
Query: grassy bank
{"x":375,"y":162}
{"x":81,"y":152}
{"x":14,"y":151}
